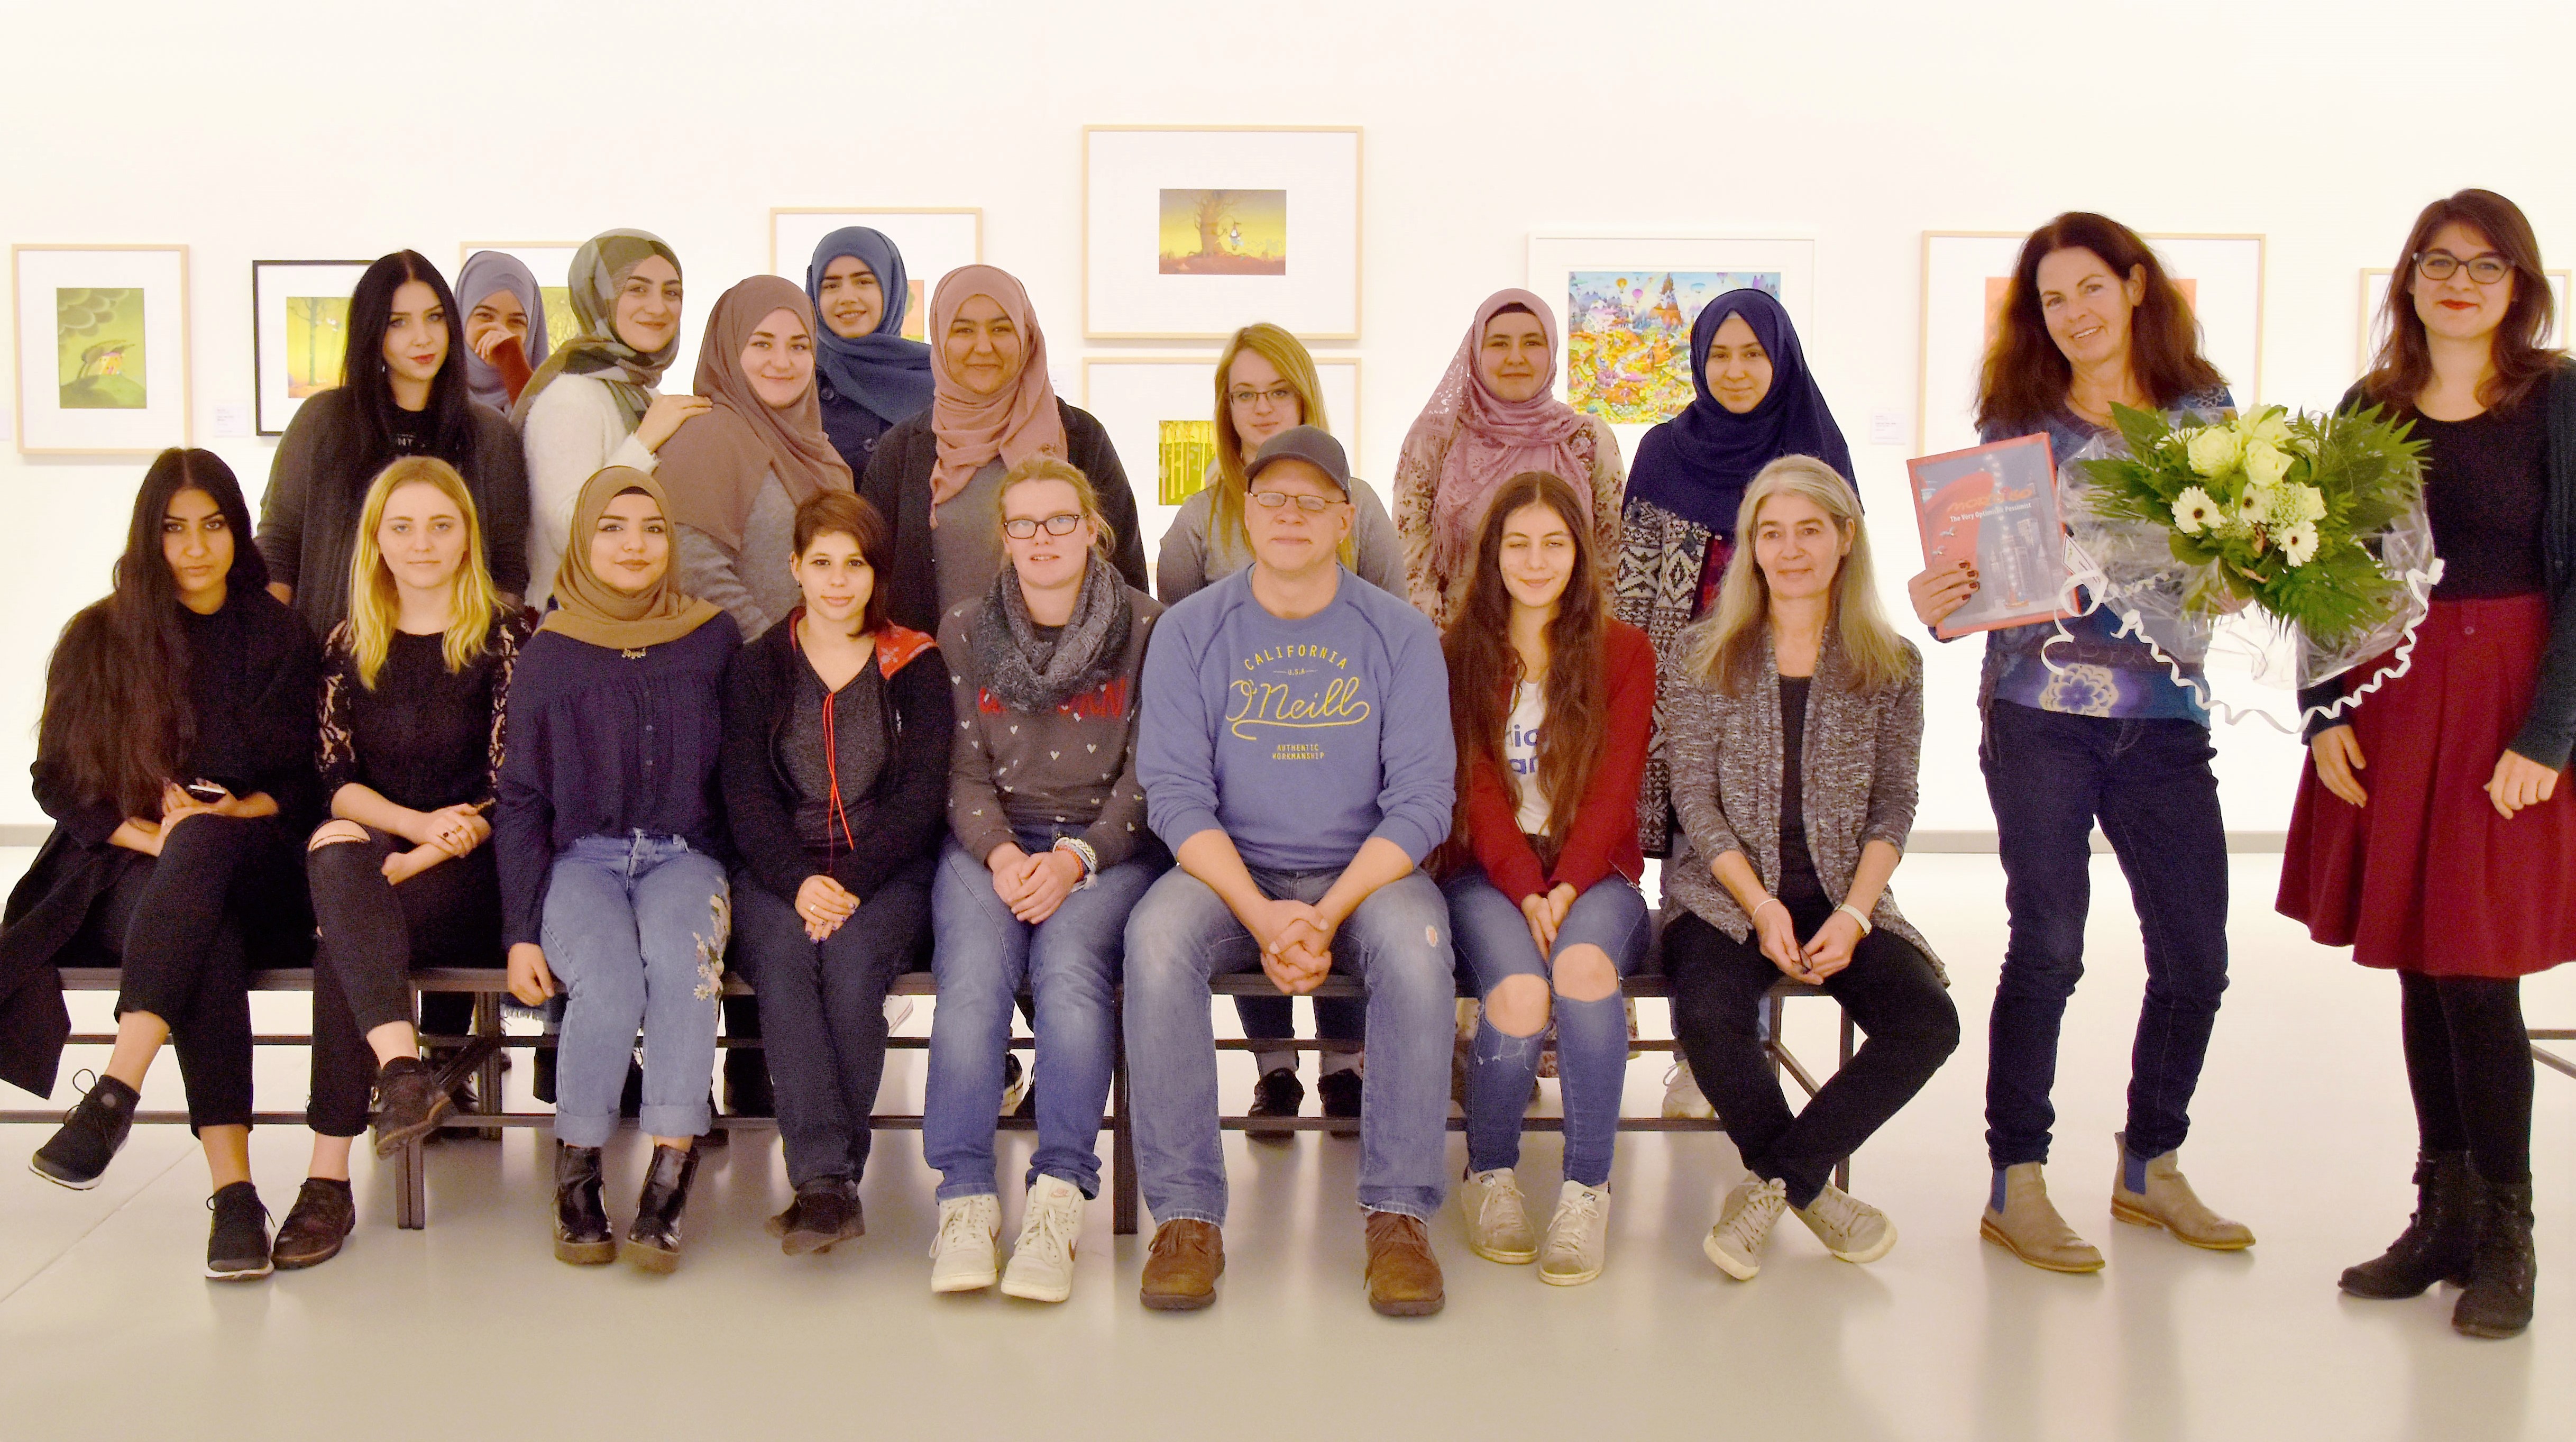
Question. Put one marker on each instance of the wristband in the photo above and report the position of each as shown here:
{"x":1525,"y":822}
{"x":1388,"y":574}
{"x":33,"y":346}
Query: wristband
{"x":1853,"y":912}
{"x":1082,"y":853}
{"x":1756,"y":913}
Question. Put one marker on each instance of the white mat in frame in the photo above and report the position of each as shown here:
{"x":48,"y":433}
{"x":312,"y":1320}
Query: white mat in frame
{"x":101,"y":345}
{"x":1304,"y":185}
{"x":290,"y":312}
{"x":932,"y":240}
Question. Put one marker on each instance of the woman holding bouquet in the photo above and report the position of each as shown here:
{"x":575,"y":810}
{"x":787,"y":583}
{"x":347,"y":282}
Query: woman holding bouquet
{"x":2462,"y":833}
{"x":2097,"y":731}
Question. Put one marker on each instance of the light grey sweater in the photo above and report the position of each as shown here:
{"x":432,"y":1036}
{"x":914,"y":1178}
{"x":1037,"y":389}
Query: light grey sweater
{"x":756,"y":584}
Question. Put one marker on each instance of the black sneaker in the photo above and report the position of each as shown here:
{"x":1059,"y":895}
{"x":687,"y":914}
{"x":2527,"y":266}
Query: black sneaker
{"x":1341,"y":1093}
{"x":237,"y":1247}
{"x":322,"y":1218}
{"x":826,"y":1211}
{"x":91,"y":1133}
{"x":1277,"y":1094}
{"x":408,"y":1103}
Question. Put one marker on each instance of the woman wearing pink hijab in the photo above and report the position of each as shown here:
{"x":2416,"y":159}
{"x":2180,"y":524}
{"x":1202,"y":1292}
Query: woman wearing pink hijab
{"x":1492,"y":418}
{"x":937,"y":476}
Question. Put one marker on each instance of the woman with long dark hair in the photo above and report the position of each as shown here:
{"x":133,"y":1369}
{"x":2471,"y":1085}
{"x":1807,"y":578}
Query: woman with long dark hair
{"x":2094,"y":729}
{"x":2451,"y":867}
{"x":1550,"y":701}
{"x":176,"y":758}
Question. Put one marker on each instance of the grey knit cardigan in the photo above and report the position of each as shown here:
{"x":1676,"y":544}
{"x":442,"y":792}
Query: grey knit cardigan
{"x":1857,"y":781}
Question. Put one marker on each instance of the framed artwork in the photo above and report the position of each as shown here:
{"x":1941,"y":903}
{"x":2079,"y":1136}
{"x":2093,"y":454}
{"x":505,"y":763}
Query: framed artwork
{"x":1625,"y":305}
{"x":933,"y":242}
{"x":1965,"y":274}
{"x":550,"y":261}
{"x":2374,"y":289}
{"x":102,"y":348}
{"x":1191,"y":232}
{"x":1160,"y":412}
{"x":299,"y":332}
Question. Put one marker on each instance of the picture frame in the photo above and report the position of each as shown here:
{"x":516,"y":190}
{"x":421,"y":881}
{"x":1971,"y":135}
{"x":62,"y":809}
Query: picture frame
{"x":934,"y":240}
{"x":551,"y":262}
{"x":2374,"y":289}
{"x":1142,"y":399}
{"x":299,"y":313}
{"x":100,"y":334}
{"x":1965,"y":271}
{"x":1627,"y":354}
{"x":1190,"y":232}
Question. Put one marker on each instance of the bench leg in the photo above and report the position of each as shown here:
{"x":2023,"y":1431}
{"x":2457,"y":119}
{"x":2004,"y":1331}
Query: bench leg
{"x":487,"y":1077}
{"x":1122,"y":1151}
{"x":1842,"y":1170}
{"x":411,"y":1187}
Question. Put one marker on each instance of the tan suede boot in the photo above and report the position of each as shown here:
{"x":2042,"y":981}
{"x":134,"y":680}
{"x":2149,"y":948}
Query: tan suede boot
{"x":2030,"y":1228}
{"x":2168,"y":1202}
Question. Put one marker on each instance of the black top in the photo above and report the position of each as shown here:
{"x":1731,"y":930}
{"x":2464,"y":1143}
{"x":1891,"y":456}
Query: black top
{"x":853,"y":429}
{"x":1798,"y":883}
{"x":2486,"y":488}
{"x":848,"y":758}
{"x":897,"y":483}
{"x":902,"y":817}
{"x":423,"y":737}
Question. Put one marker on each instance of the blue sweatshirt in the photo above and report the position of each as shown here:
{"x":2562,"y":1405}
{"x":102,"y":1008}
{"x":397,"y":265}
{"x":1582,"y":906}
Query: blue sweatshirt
{"x":1298,"y":739}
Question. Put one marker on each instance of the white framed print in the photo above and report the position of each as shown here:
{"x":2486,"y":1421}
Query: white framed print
{"x":102,"y":348}
{"x":550,"y":261}
{"x":299,"y":332}
{"x":2374,"y":289}
{"x":1625,"y":305}
{"x":1160,"y":412}
{"x":1191,"y":232}
{"x":933,"y":242}
{"x":1965,"y":275}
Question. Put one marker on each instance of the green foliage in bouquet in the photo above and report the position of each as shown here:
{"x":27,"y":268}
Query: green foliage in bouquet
{"x":2282,"y":511}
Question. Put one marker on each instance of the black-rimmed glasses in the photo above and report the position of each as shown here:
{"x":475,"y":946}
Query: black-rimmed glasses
{"x":2442,"y":265}
{"x":1063,"y":524}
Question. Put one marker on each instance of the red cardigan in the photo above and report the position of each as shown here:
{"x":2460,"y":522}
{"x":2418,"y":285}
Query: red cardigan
{"x":1604,"y":838}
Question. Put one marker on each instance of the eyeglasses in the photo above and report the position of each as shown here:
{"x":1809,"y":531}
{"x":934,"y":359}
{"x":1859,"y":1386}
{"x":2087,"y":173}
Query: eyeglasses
{"x":1057,"y":525}
{"x":2442,"y":265}
{"x":1277,"y":395}
{"x":1273,"y":500}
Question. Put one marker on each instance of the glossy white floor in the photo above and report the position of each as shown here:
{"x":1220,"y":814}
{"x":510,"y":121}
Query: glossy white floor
{"x":2303,"y":1130}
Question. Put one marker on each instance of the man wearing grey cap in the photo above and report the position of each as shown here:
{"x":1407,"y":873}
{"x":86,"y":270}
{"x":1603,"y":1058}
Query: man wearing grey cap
{"x":1296,"y":756}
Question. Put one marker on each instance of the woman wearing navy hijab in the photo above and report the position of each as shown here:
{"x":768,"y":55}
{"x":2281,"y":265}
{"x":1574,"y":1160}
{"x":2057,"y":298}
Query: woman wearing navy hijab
{"x":871,"y":376}
{"x":1757,"y":402}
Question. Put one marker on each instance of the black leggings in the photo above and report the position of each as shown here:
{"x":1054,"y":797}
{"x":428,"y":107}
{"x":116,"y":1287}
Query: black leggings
{"x":373,"y":934}
{"x":2468,"y":1060}
{"x":180,"y":929}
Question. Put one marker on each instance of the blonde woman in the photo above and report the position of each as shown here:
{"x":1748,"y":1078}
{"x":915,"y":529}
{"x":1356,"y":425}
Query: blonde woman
{"x":1795,"y":718}
{"x":413,"y":684}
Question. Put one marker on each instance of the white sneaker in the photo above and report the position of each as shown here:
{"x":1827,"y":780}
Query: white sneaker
{"x":962,"y":1255}
{"x":1042,"y":1259}
{"x":898,"y":1010}
{"x":1743,"y":1230}
{"x":1578,"y":1236}
{"x":1682,"y":1099}
{"x":1849,"y":1227}
{"x":1498,"y":1227}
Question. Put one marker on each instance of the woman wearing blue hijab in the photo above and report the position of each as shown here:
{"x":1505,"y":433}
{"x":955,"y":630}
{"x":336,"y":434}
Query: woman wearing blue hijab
{"x":871,"y":376}
{"x":1756,"y":402}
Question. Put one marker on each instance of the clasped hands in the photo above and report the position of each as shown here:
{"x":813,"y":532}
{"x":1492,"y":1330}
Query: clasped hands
{"x":1827,"y":952}
{"x":1033,"y":885}
{"x":1296,"y":940}
{"x":448,"y":834}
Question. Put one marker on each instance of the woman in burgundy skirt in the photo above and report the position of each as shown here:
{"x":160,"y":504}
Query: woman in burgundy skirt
{"x":2451,"y":866}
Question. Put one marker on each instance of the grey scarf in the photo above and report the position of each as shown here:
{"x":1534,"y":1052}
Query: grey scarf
{"x":1028,"y":673}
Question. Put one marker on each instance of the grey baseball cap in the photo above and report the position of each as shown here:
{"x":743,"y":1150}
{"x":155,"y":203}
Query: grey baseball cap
{"x":1311,"y":444}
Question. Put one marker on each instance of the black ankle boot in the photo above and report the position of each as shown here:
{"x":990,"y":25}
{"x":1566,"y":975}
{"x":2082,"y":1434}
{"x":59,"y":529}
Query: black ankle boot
{"x":2503,"y":1274}
{"x":653,"y":1243}
{"x":582,"y":1234}
{"x":409,"y":1103}
{"x":2437,"y":1242}
{"x":90,"y":1136}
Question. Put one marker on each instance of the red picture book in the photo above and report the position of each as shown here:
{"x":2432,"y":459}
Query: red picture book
{"x":1996,"y":506}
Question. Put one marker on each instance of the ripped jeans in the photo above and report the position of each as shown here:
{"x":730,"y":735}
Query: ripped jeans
{"x":634,"y":932}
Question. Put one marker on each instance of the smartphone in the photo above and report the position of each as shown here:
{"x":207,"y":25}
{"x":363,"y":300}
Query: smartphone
{"x":206,"y":791}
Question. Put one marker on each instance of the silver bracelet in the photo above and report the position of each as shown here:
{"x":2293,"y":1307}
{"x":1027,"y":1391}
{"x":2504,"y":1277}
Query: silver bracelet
{"x":1853,"y":912}
{"x":1756,"y":912}
{"x":1083,"y":853}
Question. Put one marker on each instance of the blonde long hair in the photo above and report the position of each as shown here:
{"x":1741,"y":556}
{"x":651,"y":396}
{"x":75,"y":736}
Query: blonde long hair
{"x":1722,"y":649}
{"x":374,"y":606}
{"x":1287,"y":355}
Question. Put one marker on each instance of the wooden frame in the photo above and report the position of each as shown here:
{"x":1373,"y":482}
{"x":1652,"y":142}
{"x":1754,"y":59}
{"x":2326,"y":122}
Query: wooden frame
{"x":1359,"y":227}
{"x":259,"y":343}
{"x":17,"y":341}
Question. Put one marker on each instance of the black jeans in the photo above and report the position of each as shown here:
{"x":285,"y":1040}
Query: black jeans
{"x":373,"y":934}
{"x":1274,"y":1018}
{"x":2468,"y":1061}
{"x":822,"y":1013}
{"x":2050,"y":776}
{"x":1889,"y":988}
{"x":181,"y":930}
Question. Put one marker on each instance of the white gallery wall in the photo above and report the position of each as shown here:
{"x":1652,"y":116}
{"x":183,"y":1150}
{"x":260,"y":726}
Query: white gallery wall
{"x":249,"y":131}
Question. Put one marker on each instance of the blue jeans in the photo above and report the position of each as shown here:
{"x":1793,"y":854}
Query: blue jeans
{"x":2049,"y":775}
{"x":1494,"y":942}
{"x":1396,"y":943}
{"x":1069,"y":963}
{"x":634,"y":930}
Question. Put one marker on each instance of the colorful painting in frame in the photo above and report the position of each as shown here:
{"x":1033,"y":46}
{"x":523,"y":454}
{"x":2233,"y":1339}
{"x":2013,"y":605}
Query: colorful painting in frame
{"x":102,"y":348}
{"x":932,"y":243}
{"x":2374,"y":291}
{"x":299,"y":326}
{"x":1192,"y":232}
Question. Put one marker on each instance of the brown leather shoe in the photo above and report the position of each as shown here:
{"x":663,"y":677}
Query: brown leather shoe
{"x":1182,"y":1265}
{"x":1403,"y":1276}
